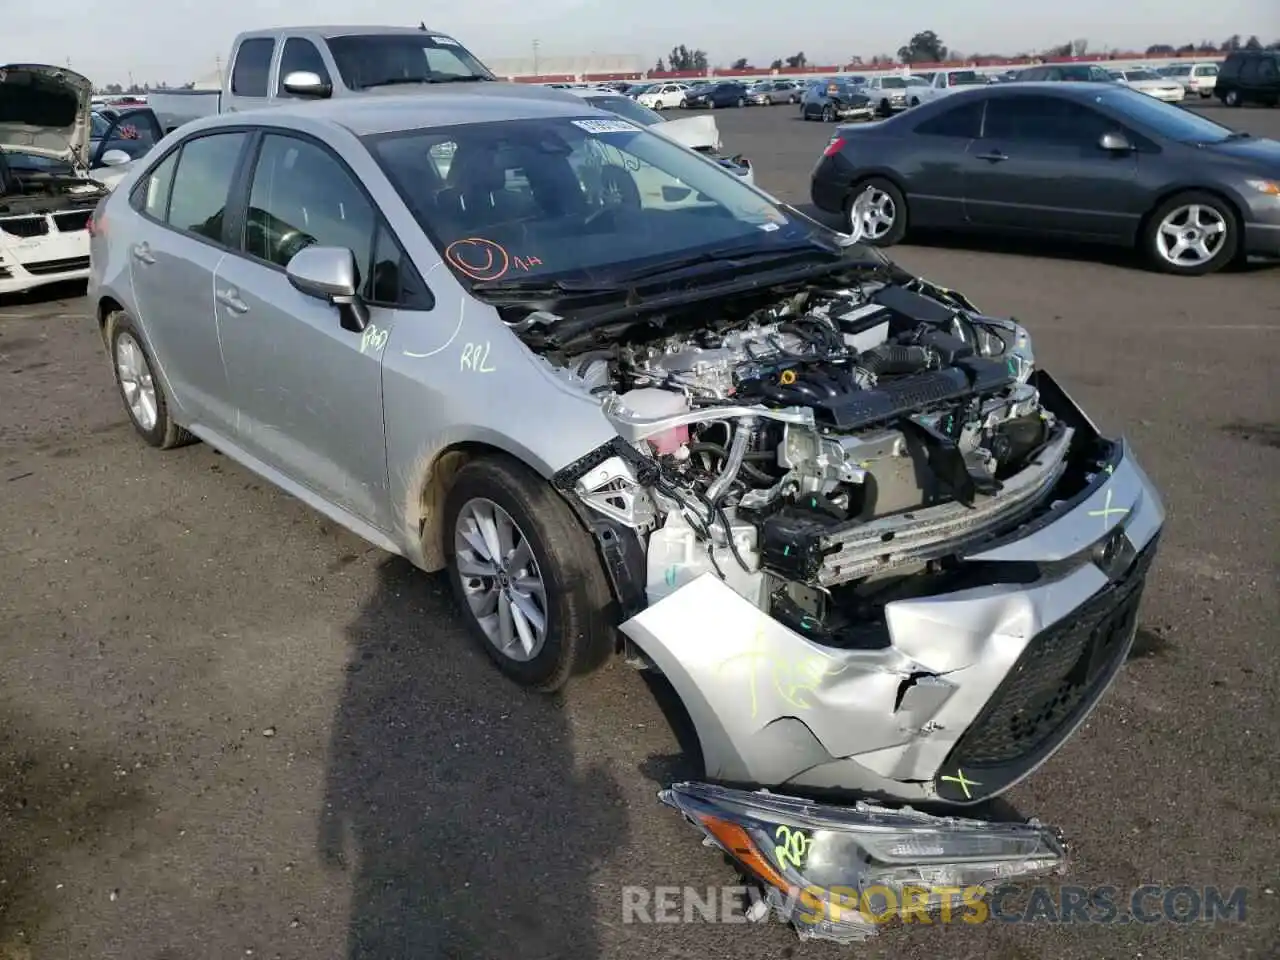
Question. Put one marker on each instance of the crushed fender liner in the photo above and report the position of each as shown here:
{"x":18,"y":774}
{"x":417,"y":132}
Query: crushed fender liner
{"x":839,"y":872}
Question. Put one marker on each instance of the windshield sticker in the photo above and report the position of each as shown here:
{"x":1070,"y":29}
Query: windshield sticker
{"x":606,"y":126}
{"x":445,"y":41}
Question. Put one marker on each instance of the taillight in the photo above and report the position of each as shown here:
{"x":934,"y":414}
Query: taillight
{"x":97,"y":225}
{"x":834,"y":147}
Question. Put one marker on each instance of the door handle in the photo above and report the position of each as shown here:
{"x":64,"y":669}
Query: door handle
{"x":994,"y":156}
{"x":230,"y":298}
{"x":142,"y":253}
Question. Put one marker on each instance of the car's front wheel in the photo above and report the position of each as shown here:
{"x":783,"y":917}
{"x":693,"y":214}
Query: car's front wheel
{"x":143,"y":395}
{"x":828,"y":114}
{"x":1192,"y":234}
{"x":526,"y":574}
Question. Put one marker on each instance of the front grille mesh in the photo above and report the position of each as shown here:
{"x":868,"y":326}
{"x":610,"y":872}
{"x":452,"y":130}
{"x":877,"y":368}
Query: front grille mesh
{"x":1061,"y":669}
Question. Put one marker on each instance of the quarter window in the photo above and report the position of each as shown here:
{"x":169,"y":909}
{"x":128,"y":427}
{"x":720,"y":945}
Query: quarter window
{"x":1043,"y":120}
{"x":151,"y":195}
{"x":963,"y":121}
{"x":206,"y":167}
{"x":252,"y":67}
{"x":300,"y":55}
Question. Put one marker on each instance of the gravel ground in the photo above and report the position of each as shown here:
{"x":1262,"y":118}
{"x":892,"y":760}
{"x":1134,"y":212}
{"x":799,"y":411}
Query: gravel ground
{"x":229,"y":729}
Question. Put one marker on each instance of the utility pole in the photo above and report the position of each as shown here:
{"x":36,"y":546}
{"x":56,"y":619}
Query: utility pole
{"x":535,"y":58}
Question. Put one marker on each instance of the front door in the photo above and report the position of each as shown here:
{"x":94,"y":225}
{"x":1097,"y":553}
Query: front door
{"x":308,"y":392}
{"x":176,"y":247}
{"x":1038,"y":168}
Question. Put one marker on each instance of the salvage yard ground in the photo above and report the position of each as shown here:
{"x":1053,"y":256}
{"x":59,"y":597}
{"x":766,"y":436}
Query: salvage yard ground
{"x":229,"y":729}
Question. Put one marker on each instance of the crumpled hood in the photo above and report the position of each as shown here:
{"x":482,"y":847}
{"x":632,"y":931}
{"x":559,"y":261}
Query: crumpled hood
{"x":697,"y":133}
{"x":45,"y":109}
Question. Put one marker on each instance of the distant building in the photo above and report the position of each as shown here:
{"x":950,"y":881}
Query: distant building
{"x":545,"y":66}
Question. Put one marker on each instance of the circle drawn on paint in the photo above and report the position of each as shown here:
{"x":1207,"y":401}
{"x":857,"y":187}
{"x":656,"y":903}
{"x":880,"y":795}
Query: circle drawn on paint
{"x":478,"y":258}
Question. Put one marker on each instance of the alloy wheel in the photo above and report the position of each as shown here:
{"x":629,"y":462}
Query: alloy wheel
{"x":500,"y":579}
{"x":136,"y":381}
{"x":1191,"y":235}
{"x":878,"y":213}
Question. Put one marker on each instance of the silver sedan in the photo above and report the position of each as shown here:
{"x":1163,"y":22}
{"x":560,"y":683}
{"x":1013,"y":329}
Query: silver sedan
{"x":870,"y":544}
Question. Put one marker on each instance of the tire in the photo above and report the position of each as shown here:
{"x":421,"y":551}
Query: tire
{"x":828,"y":115}
{"x":577,"y":604}
{"x":884,"y":110}
{"x":915,"y":101}
{"x":133,"y":368}
{"x":794,"y":100}
{"x":898,"y":228}
{"x":742,"y":102}
{"x":1204,"y":96}
{"x":1231,"y":98}
{"x":1158,"y":233}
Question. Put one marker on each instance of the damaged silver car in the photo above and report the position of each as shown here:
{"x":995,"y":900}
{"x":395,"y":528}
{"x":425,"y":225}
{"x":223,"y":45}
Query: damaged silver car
{"x":633,"y":404}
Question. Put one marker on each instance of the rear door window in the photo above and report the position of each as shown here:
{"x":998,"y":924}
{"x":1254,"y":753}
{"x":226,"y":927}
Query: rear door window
{"x":1267,"y":71}
{"x":964,"y":121}
{"x":252,"y":67}
{"x":206,"y":167}
{"x":151,"y":194}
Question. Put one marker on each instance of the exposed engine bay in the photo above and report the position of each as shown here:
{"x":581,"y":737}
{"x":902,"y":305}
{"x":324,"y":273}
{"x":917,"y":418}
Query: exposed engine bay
{"x":27,"y":192}
{"x":824,"y":454}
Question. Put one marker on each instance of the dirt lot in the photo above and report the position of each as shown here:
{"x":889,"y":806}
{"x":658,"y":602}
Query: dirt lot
{"x":229,"y":729}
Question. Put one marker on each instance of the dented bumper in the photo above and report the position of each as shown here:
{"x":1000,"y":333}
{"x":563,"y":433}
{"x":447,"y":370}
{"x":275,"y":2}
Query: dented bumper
{"x":975,"y":689}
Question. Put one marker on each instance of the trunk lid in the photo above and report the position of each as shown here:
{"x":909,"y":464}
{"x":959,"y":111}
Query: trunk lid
{"x":45,"y":110}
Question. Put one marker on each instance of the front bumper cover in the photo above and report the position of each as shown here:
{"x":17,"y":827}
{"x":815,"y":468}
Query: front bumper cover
{"x":975,"y":689}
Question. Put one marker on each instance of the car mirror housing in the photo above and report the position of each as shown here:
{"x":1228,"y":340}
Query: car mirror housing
{"x":115,"y":158}
{"x":1115,"y":142}
{"x":331,"y":274}
{"x":304,"y":83}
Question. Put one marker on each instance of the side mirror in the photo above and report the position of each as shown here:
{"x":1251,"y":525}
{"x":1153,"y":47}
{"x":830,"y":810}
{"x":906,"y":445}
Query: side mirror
{"x":115,"y":158}
{"x":331,"y":274}
{"x":304,"y":83}
{"x":1114,"y":142}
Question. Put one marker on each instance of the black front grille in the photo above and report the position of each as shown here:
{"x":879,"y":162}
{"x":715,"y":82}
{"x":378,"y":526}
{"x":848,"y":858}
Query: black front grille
{"x":1059,"y":677}
{"x":64,"y":265}
{"x":25,"y":226}
{"x":71,"y":222}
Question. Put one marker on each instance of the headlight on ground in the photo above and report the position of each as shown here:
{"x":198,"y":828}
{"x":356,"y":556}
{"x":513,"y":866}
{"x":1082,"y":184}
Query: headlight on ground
{"x":838,"y":872}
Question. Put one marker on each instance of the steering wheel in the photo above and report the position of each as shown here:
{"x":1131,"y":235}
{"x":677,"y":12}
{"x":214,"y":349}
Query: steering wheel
{"x":618,"y":191}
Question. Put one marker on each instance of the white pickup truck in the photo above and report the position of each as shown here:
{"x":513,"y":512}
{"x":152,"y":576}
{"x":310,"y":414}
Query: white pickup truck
{"x":949,"y":81}
{"x":286,"y":64}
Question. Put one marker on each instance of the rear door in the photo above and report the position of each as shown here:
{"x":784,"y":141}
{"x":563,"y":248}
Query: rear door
{"x":939,"y":162}
{"x":1038,"y":168}
{"x":178,"y":242}
{"x":308,"y":391}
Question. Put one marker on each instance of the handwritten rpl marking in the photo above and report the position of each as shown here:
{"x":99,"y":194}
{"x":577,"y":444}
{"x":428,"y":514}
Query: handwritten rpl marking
{"x":475,"y":357}
{"x":372,"y":339}
{"x":793,"y":677}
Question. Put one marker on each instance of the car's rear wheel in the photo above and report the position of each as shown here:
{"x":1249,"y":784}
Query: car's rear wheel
{"x":526,"y":574}
{"x":884,"y":219}
{"x":1231,"y":98}
{"x":140,"y":389}
{"x":742,"y":102}
{"x":1192,"y":234}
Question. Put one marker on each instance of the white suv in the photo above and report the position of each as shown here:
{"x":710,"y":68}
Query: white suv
{"x":1198,"y":78}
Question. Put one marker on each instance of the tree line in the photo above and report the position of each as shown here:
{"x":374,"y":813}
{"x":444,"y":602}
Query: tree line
{"x":927,"y":47}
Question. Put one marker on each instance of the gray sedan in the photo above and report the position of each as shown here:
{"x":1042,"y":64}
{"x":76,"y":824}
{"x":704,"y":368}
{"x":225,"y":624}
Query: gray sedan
{"x":772,"y":92}
{"x":678,"y":418}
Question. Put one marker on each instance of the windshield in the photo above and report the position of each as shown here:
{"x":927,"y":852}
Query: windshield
{"x":377,"y":59}
{"x":893,"y":83}
{"x":1183,"y":71}
{"x":99,"y":125}
{"x":592,"y":197}
{"x":36,"y":163}
{"x":625,"y":107}
{"x":642,"y":88}
{"x":1164,"y":119}
{"x":962,"y":78}
{"x":1140,"y":75}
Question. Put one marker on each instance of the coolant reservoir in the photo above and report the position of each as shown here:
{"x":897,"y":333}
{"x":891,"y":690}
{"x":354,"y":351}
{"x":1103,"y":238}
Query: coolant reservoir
{"x":650,"y":403}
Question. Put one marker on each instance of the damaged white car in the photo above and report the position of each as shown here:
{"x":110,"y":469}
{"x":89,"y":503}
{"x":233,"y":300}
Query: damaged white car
{"x":46,"y":194}
{"x":876,"y":550}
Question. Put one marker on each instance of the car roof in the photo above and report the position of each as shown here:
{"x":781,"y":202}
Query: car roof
{"x":344,"y":31}
{"x":372,"y":115}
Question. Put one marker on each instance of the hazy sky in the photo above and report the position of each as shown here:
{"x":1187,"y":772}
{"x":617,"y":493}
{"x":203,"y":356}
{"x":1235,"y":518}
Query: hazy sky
{"x":177,"y":40}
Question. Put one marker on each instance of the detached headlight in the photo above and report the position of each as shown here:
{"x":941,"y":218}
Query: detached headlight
{"x":838,"y":872}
